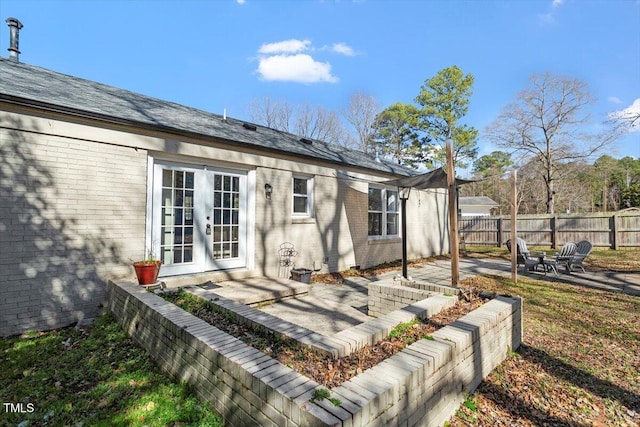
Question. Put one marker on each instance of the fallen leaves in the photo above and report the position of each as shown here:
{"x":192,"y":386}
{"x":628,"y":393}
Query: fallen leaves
{"x":328,"y":372}
{"x":579,"y":364}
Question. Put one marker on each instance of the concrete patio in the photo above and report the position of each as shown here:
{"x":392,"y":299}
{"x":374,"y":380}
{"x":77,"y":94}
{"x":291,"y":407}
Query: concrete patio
{"x":328,"y":309}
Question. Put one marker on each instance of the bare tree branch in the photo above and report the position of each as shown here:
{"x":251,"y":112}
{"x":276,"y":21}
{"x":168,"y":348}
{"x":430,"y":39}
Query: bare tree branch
{"x":546,"y":124}
{"x":361,"y":114}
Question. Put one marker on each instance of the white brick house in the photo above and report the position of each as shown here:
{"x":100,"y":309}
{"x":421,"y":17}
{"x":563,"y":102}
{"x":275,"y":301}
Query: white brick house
{"x":92,"y":175}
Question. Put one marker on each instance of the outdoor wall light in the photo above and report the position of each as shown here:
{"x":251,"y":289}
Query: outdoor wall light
{"x":404,"y":193}
{"x":268,"y":189}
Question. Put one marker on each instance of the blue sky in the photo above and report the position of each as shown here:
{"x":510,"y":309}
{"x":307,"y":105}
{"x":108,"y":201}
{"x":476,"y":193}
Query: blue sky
{"x":218,"y":55}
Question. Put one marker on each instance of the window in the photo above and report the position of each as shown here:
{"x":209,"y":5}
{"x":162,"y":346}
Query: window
{"x":383,"y":212}
{"x":302,"y":196}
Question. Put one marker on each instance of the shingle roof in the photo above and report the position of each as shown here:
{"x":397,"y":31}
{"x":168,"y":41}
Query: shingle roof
{"x":477,"y":201}
{"x":47,"y":89}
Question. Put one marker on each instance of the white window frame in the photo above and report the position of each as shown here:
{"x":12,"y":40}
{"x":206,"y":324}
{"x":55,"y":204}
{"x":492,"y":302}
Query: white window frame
{"x":309,"y":195}
{"x":384,"y":212}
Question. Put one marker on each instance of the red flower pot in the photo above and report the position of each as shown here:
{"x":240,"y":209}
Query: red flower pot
{"x":147,"y":272}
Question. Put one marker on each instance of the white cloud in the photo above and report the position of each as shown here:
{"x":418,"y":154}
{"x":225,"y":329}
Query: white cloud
{"x":299,"y":68}
{"x":343,"y":49}
{"x":550,"y":17}
{"x":241,"y":1}
{"x":629,"y":115}
{"x":291,"y":61}
{"x":285,"y":46}
{"x":614,"y":99}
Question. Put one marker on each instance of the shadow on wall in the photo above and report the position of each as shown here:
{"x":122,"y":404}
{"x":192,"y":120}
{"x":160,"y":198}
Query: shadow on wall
{"x":427,"y":224}
{"x":345,"y":202}
{"x":51,"y":263}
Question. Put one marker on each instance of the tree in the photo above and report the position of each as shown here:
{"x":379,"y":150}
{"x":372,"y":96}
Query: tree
{"x":547,"y":125}
{"x":490,"y":168}
{"x":361,"y":114}
{"x":307,"y":121}
{"x":494,"y":164}
{"x":444,"y":100}
{"x":628,"y":119}
{"x":614,"y":177}
{"x":631,"y":196}
{"x":321,"y":124}
{"x":273,"y":114}
{"x":395,"y":135}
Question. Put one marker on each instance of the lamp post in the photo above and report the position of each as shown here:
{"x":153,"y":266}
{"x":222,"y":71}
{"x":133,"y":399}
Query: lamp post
{"x":404,"y":196}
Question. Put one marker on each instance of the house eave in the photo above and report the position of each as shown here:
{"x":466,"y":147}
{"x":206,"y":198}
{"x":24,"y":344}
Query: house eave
{"x":119,"y":121}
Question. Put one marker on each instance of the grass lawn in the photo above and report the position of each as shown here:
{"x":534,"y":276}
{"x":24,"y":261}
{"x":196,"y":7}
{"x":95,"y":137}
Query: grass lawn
{"x":579,"y":364}
{"x":97,"y":377}
{"x":599,"y":260}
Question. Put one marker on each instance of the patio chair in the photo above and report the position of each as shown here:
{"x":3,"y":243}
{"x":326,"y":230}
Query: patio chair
{"x":562,"y":258}
{"x":523,"y":254}
{"x":582,"y":251}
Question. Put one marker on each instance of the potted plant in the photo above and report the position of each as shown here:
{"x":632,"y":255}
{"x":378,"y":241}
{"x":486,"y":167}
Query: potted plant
{"x":147,"y":269}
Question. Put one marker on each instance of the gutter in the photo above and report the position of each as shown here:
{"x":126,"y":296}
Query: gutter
{"x":74,"y":112}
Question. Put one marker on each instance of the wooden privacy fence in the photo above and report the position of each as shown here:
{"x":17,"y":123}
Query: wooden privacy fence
{"x":606,"y":229}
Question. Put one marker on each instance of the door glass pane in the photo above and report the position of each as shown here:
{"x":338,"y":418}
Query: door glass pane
{"x":189,"y":181}
{"x":226,"y":216}
{"x":177,"y":255}
{"x":177,"y":227}
{"x":167,"y":177}
{"x":166,"y":197}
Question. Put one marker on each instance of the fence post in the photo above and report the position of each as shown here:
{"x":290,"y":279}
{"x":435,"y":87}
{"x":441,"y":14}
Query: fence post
{"x":499,"y":234}
{"x":554,"y":232}
{"x":615,"y":231}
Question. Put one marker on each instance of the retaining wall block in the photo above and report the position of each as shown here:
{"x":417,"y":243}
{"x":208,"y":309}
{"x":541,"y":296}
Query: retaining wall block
{"x":423,"y":384}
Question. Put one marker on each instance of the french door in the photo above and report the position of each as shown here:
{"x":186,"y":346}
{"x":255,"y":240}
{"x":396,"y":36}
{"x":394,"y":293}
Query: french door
{"x":199,"y":218}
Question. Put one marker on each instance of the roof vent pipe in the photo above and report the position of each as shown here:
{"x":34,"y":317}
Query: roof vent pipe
{"x":14,"y":37}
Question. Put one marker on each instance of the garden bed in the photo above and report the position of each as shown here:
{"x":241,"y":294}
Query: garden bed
{"x":422,"y":384}
{"x":325,"y":370}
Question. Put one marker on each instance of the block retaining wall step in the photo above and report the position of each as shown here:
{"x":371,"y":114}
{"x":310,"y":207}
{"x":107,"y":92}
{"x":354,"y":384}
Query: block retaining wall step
{"x":425,"y":286}
{"x":337,"y":345}
{"x":422,"y":385}
{"x":384,"y":298}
